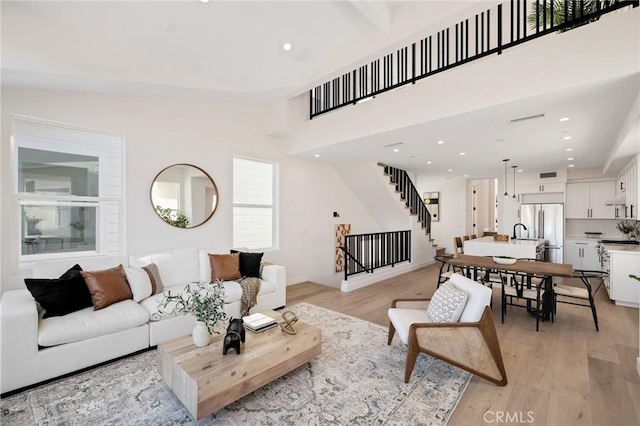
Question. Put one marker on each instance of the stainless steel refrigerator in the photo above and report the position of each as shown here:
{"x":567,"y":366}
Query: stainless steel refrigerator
{"x":544,"y":221}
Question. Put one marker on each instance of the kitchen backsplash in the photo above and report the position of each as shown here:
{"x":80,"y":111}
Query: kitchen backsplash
{"x":578,"y":227}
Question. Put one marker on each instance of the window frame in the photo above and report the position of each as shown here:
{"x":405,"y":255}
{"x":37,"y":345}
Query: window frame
{"x":51,"y":136}
{"x":275,"y":243}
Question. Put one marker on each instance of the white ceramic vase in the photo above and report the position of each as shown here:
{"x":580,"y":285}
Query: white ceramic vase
{"x":201,"y":336}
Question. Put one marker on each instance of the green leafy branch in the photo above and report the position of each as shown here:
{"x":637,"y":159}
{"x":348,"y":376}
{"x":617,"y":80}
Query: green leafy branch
{"x":177,"y":219}
{"x":204,"y":301}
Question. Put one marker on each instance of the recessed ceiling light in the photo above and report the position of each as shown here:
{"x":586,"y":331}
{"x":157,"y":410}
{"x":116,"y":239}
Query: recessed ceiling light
{"x":566,"y":138}
{"x":564,"y":119}
{"x":317,"y":155}
{"x":463,"y":153}
{"x":450,"y":170}
{"x":204,"y":1}
{"x":570,"y":159}
{"x":396,"y":150}
{"x":569,"y":149}
{"x":570,"y":165}
{"x":440,"y":142}
{"x":519,"y":170}
{"x":286,"y":46}
{"x":466,"y":175}
{"x":428,"y":162}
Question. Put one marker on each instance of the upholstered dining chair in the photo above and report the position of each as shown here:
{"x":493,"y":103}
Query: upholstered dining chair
{"x":473,"y":236}
{"x":580,"y":296}
{"x":470,"y":343}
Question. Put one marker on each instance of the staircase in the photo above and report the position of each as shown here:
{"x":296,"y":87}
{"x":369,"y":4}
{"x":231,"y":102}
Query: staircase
{"x":412,"y":199}
{"x":409,"y":194}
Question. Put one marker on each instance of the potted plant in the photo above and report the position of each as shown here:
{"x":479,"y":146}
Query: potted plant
{"x":626,"y":227}
{"x":205,"y":301}
{"x":177,"y":219}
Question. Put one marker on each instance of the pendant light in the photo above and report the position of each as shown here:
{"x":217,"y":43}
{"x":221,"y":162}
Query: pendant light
{"x":514,"y":182}
{"x":506,"y":194}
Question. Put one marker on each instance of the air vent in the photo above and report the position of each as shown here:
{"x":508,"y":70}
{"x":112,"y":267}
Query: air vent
{"x":394,"y":144}
{"x":527,"y":118}
{"x":548,"y":175}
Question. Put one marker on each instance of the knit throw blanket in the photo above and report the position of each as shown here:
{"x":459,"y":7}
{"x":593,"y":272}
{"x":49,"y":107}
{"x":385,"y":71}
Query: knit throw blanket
{"x":250,"y":288}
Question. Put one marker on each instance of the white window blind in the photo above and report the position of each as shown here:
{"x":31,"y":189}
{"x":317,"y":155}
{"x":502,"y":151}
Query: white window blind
{"x":254,"y":220}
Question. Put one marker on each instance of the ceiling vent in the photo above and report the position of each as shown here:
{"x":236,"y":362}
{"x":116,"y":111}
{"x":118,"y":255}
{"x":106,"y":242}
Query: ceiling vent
{"x":548,"y":175}
{"x":394,"y":144}
{"x":527,"y":118}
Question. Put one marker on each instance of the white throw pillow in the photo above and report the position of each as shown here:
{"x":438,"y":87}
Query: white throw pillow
{"x":139,"y":283}
{"x":447,"y":303}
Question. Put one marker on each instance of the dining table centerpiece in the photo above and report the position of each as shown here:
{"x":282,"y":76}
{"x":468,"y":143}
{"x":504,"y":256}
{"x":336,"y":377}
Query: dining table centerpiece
{"x":205,"y":301}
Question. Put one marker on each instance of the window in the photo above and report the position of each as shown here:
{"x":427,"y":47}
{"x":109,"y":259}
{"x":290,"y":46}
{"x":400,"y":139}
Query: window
{"x":254,"y":194}
{"x":68,"y":185}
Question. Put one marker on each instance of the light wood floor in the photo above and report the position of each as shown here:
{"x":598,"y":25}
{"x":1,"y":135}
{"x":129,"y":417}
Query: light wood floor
{"x":565,"y":374}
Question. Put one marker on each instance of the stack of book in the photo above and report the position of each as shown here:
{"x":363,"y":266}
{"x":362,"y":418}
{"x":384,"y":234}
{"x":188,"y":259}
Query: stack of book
{"x":258,"y":322}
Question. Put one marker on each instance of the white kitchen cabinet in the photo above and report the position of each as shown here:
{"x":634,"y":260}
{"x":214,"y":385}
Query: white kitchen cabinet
{"x":624,"y":290}
{"x":582,"y":254}
{"x":541,"y":187}
{"x":586,"y":200}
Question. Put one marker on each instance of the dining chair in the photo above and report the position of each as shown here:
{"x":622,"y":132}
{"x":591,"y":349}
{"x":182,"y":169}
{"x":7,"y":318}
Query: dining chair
{"x":580,"y":296}
{"x":466,"y":238}
{"x":458,"y":247}
{"x":469,"y":342}
{"x":489,"y":233}
{"x":445,"y":269}
{"x":473,"y":236}
{"x":521,"y":290}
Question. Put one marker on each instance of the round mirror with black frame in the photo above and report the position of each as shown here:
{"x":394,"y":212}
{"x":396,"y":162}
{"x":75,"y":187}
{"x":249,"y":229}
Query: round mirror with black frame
{"x":184,"y":195}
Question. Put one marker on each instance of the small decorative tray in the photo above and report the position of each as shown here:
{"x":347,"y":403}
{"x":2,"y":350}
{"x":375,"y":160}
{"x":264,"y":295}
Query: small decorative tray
{"x":501,"y":237}
{"x":504,"y":260}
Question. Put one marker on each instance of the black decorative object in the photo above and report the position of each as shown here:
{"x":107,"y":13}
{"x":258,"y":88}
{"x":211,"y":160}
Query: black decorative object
{"x":235,"y":335}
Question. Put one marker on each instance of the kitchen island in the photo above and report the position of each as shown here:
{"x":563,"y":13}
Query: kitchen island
{"x":621,"y":261}
{"x":521,"y":249}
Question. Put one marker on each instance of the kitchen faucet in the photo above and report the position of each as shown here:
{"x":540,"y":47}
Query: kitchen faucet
{"x":514,"y":229}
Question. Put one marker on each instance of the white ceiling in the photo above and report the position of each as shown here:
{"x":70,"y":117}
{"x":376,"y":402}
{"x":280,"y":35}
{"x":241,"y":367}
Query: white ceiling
{"x":232,"y":50}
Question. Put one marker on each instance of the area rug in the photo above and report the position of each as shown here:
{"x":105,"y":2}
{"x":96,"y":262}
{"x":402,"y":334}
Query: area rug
{"x":358,"y":380}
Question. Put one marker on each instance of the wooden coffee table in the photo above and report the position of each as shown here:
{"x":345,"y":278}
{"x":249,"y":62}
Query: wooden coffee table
{"x":205,"y":381}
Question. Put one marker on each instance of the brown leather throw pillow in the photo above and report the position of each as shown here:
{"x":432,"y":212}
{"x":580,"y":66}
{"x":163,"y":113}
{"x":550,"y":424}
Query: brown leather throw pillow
{"x":225,"y":267}
{"x":107,"y":287}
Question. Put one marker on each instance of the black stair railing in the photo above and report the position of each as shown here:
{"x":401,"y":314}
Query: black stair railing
{"x":367,"y":252}
{"x":490,"y":32}
{"x":409,"y":194}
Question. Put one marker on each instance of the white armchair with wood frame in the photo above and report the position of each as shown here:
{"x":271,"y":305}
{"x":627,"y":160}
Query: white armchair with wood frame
{"x":470,"y":342}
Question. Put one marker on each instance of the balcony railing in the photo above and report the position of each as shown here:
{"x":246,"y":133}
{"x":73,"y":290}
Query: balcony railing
{"x":492,"y":31}
{"x":366,"y":252}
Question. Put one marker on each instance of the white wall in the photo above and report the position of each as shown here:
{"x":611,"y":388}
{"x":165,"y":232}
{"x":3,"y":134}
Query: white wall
{"x":159,"y":132}
{"x":453,"y":207}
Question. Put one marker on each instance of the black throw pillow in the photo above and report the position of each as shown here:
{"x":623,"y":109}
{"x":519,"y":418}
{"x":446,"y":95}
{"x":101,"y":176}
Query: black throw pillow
{"x":60,"y":296}
{"x":249,"y":263}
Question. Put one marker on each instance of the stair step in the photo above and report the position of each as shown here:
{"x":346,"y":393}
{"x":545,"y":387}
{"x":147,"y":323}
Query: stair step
{"x":440,"y":250}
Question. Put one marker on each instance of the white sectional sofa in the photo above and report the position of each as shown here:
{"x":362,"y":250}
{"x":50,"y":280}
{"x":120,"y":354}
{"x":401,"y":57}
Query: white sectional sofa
{"x":35,"y":349}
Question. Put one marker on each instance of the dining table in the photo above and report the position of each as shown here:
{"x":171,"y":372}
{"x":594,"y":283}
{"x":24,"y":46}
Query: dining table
{"x":547,"y":270}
